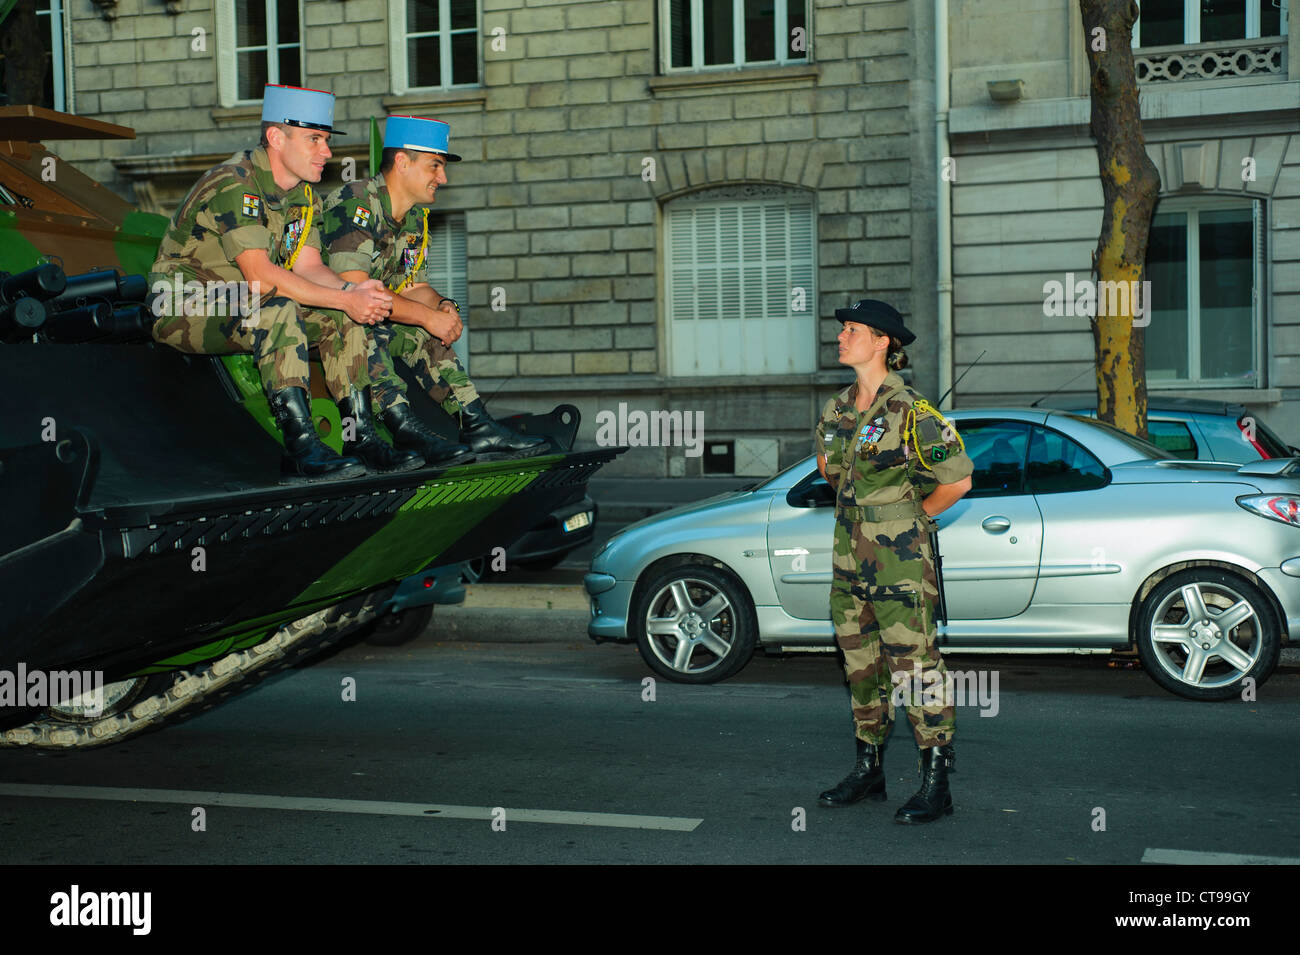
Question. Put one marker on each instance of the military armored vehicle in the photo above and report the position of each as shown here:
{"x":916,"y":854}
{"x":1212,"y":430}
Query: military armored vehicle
{"x":146,"y":541}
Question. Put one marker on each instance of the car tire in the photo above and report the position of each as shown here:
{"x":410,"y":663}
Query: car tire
{"x":395,"y":629}
{"x":694,"y":624}
{"x":1189,"y":665}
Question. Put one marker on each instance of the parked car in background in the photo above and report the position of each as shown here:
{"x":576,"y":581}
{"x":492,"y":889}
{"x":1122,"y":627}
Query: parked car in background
{"x":1075,"y":536}
{"x":1197,"y":429}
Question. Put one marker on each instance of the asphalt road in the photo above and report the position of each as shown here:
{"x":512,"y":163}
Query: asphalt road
{"x":713,"y":774}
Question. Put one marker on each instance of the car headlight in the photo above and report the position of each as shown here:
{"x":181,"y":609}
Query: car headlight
{"x":1276,"y":507}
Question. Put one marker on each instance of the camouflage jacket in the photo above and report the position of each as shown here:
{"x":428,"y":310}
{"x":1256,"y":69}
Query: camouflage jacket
{"x":361,"y":235}
{"x":234,"y":207}
{"x":878,"y":447}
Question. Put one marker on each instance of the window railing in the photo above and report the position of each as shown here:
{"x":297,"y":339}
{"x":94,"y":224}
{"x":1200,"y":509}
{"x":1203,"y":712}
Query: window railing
{"x":1211,"y":61}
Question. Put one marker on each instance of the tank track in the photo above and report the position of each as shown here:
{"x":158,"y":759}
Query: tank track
{"x":202,"y":688}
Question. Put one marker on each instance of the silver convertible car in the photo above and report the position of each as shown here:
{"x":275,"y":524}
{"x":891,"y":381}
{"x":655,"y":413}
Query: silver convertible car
{"x":1074,"y":537}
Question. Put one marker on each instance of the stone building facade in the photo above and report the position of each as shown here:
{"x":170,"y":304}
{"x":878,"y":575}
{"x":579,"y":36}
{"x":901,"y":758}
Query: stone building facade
{"x":661,"y":205}
{"x":1220,"y":100}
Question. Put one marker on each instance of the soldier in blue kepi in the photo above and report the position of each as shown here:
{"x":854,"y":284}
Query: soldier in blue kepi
{"x":254,"y":222}
{"x":379,"y":229}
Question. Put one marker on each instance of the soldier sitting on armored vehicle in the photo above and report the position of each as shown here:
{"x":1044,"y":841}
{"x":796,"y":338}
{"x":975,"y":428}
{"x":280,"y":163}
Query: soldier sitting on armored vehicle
{"x":379,"y":229}
{"x":255,"y":220}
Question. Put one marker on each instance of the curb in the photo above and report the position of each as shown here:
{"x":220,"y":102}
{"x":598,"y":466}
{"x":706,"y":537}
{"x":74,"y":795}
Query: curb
{"x":545,"y":597}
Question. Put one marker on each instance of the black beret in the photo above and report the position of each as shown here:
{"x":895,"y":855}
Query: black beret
{"x":881,"y":316}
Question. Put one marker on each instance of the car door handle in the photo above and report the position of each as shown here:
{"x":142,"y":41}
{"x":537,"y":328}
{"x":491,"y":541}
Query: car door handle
{"x":996,"y":524}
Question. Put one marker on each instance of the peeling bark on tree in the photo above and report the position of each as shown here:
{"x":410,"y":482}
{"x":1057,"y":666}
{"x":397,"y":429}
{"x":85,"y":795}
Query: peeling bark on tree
{"x":1130,"y":184}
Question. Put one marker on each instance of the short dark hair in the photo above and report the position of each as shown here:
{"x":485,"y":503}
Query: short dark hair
{"x":265,"y":126}
{"x":388,"y":158}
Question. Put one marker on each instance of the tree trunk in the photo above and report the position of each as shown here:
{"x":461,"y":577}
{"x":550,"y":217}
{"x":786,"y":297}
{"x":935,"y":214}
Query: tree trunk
{"x":1129,"y":184}
{"x":24,"y":55}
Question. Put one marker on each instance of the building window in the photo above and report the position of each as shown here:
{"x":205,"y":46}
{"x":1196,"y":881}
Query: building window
{"x":260,"y":43}
{"x":1205,"y":266}
{"x":49,"y":29}
{"x":434,"y":43}
{"x":741,"y":295}
{"x":698,"y":34}
{"x":1172,"y":22}
{"x":445,"y":270}
{"x":49,"y":18}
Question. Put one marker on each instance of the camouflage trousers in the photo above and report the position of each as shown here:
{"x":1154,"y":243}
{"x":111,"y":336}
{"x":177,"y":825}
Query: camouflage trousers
{"x":436,"y":366}
{"x":278,"y":337}
{"x":884,"y":618}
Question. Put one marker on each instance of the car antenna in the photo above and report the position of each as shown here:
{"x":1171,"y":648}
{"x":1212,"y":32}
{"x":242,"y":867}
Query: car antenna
{"x":1050,"y":393}
{"x":503,"y":383}
{"x":939,"y":403}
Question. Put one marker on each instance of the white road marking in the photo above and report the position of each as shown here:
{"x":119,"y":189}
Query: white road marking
{"x":1186,"y":857}
{"x":366,"y":806}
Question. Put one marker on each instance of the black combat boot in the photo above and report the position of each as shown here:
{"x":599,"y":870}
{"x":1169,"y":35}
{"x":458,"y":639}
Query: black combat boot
{"x":409,"y":432}
{"x":488,"y":437}
{"x":374,"y":451}
{"x":933,"y":799}
{"x":306,"y":456}
{"x":866,"y":780}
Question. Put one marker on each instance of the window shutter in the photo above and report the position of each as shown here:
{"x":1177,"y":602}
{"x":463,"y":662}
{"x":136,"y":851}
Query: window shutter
{"x":732,"y":269}
{"x":226,"y":85}
{"x":445,"y":262}
{"x":1258,"y":312}
{"x":397,"y":46}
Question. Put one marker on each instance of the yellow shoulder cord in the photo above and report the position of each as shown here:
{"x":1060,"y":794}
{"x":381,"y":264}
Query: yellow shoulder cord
{"x":909,"y":427}
{"x":306,"y":230}
{"x":419,"y":259}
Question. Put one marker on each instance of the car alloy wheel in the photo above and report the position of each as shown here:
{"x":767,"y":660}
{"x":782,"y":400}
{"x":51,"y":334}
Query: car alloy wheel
{"x":695,"y":625}
{"x":1203,"y":632}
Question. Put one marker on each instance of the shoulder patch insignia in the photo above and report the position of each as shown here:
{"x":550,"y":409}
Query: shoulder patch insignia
{"x":252,"y":205}
{"x":939,"y":453}
{"x":361,"y":217}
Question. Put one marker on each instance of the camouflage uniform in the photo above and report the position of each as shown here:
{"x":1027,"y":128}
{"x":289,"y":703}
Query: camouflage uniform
{"x":361,"y":235}
{"x":884,"y":588}
{"x":235,"y":207}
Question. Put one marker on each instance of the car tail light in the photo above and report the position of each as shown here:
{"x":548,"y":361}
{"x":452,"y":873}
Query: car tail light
{"x":1276,"y":507}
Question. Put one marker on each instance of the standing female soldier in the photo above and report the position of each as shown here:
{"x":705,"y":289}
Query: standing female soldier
{"x":880,"y":446}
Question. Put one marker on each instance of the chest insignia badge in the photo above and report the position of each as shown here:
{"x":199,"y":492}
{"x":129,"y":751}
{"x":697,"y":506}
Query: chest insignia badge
{"x":873,"y":432}
{"x":291,"y":233}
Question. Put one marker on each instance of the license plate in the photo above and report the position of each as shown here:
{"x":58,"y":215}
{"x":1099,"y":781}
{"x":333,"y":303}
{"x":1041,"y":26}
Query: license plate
{"x":577,"y":520}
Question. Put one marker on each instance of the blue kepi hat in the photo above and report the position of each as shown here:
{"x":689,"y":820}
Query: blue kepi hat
{"x":294,"y":106}
{"x":419,"y":134}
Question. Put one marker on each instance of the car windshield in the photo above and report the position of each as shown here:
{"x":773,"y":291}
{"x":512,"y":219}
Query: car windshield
{"x":1144,"y":448}
{"x":799,"y":465}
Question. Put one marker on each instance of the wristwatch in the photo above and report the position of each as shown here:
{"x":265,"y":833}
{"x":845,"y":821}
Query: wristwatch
{"x":346,"y":286}
{"x":454,"y":303}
